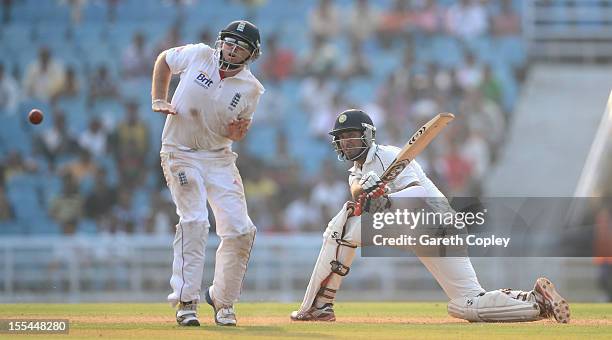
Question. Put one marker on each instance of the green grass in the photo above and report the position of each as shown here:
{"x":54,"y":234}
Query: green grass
{"x":271,"y":321}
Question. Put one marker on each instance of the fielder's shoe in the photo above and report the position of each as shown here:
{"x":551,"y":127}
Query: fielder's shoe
{"x":551,"y":303}
{"x":186,"y":315}
{"x":325,"y":313}
{"x":224,"y":315}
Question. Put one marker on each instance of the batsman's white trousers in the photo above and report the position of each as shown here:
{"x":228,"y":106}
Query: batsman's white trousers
{"x":455,"y":275}
{"x":193,"y":178}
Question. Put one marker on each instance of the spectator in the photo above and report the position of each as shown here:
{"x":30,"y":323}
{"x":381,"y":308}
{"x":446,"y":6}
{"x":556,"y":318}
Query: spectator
{"x":124,"y":218}
{"x":278,"y":62}
{"x":15,"y":164}
{"x":44,"y":77}
{"x":507,"y":22}
{"x":261,"y":190}
{"x":7,"y":213}
{"x":67,"y":208}
{"x":172,"y":39}
{"x":99,"y":202}
{"x":111,"y":10}
{"x":71,"y":86}
{"x":9,"y":92}
{"x":57,"y":141}
{"x":94,"y":139}
{"x":396,"y":96}
{"x":329,"y":194}
{"x":316,"y":93}
{"x":470,"y":75}
{"x":491,"y":87}
{"x":323,"y":117}
{"x":137,"y":58}
{"x":80,"y":168}
{"x":300,"y":216}
{"x":484,"y":115}
{"x":206,"y":36}
{"x":476,"y":151}
{"x":393,"y":23}
{"x":467,"y":19}
{"x":358,"y":65}
{"x":321,"y":58}
{"x":324,"y":20}
{"x":6,"y":11}
{"x":130,"y":146}
{"x":76,"y":9}
{"x":427,"y":19}
{"x":101,"y":86}
{"x":162,"y":216}
{"x":457,"y":171}
{"x":363,"y":21}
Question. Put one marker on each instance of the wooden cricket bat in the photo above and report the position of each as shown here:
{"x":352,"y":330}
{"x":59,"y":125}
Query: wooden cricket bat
{"x":417,"y":143}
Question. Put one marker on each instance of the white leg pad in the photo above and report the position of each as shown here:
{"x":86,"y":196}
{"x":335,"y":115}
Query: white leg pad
{"x":332,"y":250}
{"x":188,"y":264}
{"x":230,"y":268}
{"x":495,"y":306}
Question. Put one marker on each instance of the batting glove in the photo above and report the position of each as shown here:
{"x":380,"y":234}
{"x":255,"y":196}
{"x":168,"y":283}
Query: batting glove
{"x":372,"y":185}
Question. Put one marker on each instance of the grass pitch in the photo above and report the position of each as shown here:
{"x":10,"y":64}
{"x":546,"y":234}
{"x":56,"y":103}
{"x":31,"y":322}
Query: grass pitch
{"x":271,"y":321}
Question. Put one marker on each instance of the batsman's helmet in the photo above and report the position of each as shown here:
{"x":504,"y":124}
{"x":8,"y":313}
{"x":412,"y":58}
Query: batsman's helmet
{"x":353,"y":120}
{"x":241,"y":34}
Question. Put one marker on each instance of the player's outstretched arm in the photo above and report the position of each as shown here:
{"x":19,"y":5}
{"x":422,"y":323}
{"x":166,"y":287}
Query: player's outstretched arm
{"x":159,"y":86}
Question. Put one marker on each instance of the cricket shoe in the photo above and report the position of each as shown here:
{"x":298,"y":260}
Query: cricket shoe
{"x":186,"y":315}
{"x":552,"y":304}
{"x":224,"y":315}
{"x":325,"y":313}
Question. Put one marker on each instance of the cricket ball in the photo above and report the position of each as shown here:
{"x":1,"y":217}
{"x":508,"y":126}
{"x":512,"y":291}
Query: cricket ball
{"x":35,"y":116}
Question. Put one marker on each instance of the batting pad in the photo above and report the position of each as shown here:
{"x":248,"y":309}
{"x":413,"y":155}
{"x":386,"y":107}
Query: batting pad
{"x":494,"y":306}
{"x":340,"y":240}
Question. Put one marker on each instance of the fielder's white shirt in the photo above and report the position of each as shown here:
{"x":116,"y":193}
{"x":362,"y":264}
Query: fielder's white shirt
{"x":204,"y":103}
{"x":378,"y":160}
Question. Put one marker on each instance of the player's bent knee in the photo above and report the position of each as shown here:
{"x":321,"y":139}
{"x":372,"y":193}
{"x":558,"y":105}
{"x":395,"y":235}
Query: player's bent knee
{"x":493,"y":306}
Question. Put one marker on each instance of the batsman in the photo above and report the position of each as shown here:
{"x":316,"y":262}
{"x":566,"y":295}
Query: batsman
{"x":353,"y":138}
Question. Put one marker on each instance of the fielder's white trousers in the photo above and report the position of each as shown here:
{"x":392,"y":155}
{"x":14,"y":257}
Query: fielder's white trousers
{"x":193,"y":178}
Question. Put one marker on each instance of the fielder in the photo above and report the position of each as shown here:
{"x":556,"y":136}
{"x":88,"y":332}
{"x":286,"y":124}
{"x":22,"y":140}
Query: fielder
{"x":354,"y":140}
{"x":213,"y":106}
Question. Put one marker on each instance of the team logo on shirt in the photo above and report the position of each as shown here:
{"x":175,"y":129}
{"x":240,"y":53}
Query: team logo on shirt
{"x":203,"y":80}
{"x":235,"y":101}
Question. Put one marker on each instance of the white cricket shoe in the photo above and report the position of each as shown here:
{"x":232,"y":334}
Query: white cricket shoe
{"x":552,"y":304}
{"x":224,"y":315}
{"x":325,"y":313}
{"x":186,"y":315}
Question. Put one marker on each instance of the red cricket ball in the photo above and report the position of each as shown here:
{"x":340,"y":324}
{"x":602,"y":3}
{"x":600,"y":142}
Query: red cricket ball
{"x":35,"y":116}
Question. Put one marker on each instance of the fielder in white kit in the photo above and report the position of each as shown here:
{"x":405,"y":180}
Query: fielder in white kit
{"x":212,"y":107}
{"x":354,"y":140}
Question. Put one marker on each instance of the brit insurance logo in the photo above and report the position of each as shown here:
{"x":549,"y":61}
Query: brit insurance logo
{"x":203,"y":80}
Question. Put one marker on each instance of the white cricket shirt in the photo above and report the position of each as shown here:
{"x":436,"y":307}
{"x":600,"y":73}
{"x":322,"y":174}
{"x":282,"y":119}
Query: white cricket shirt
{"x":204,"y":103}
{"x":379,"y":158}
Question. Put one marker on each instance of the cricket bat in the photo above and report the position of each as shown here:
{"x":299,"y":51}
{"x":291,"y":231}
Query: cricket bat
{"x":417,"y":143}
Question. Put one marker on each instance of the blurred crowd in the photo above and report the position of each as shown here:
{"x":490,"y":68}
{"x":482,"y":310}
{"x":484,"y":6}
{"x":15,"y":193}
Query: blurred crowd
{"x":109,"y":173}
